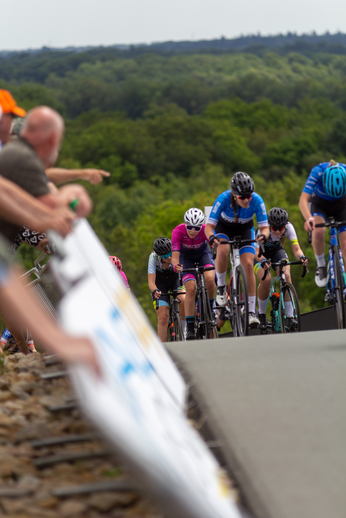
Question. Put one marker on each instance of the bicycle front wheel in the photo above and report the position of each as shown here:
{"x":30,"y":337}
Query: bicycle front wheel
{"x":178,"y":329}
{"x":241,"y":302}
{"x":289,"y":295}
{"x":339,"y":291}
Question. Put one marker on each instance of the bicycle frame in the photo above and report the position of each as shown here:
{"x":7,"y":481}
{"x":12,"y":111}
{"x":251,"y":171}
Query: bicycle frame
{"x":174,"y":302}
{"x":276,"y":298}
{"x":335,"y":269}
{"x":204,"y":322}
{"x":238,"y":302}
{"x":333,"y":242}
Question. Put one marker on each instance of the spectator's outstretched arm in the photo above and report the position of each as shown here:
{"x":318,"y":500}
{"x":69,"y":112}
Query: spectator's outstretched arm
{"x":15,"y":299}
{"x":19,"y":207}
{"x":59,"y":175}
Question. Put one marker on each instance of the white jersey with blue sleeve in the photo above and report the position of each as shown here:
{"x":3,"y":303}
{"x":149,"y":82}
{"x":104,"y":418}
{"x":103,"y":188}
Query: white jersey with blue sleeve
{"x":223,"y":211}
{"x":314,"y":183}
{"x":155,"y":264}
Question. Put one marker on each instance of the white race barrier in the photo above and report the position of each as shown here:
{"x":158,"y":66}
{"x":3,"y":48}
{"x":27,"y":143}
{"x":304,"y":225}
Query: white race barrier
{"x":138,"y":402}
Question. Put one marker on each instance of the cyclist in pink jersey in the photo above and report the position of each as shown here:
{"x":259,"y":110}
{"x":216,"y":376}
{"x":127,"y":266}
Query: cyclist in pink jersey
{"x":117,"y":263}
{"x":190,"y":246}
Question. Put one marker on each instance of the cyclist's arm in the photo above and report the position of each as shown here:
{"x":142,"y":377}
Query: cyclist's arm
{"x":297,"y":251}
{"x":299,"y":254}
{"x":209,"y":230}
{"x":152,"y":281}
{"x":305,"y":210}
{"x":175,"y":258}
{"x":265,"y":231}
{"x":152,"y":285}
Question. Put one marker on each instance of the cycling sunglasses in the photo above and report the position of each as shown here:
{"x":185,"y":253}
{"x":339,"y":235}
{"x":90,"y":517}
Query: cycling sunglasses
{"x":166,"y":255}
{"x":277,"y":229}
{"x":192,"y":227}
{"x":245,"y":197}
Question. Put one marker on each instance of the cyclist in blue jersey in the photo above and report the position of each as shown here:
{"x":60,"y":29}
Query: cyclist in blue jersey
{"x":232,"y":215}
{"x":324,"y":196}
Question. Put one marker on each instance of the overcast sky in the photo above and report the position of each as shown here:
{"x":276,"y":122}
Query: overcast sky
{"x":61,"y":23}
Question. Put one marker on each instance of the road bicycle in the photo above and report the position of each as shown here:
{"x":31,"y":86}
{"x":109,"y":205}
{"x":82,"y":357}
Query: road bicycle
{"x":282,"y":291}
{"x":175,"y":328}
{"x":237,"y":293}
{"x":335,"y":271}
{"x":205,"y":320}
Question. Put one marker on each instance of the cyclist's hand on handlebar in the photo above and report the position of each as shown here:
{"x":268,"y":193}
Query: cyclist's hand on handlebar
{"x":156,"y":293}
{"x":261,"y":239}
{"x":177,"y":267}
{"x":265,"y":263}
{"x":304,"y":260}
{"x":309,"y":224}
{"x":213,"y":241}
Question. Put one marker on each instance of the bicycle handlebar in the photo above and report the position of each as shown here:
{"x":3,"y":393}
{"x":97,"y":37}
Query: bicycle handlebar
{"x":330,"y":223}
{"x":237,"y":241}
{"x":284,"y":262}
{"x":173,"y":293}
{"x":199,"y":269}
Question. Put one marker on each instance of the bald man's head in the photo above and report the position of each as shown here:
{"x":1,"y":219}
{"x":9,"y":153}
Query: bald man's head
{"x":44,"y":129}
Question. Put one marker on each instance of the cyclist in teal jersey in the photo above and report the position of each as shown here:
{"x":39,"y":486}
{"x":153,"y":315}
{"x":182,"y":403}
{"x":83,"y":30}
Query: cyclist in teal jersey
{"x":324,"y":196}
{"x":232,"y":215}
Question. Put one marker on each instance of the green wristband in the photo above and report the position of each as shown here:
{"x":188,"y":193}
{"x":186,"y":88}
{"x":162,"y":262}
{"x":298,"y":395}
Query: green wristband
{"x":74,"y":204}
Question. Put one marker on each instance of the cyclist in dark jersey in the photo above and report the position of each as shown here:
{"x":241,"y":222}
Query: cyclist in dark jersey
{"x":162,"y":276}
{"x":190,"y":246}
{"x":274,"y":251}
{"x":323,"y":196}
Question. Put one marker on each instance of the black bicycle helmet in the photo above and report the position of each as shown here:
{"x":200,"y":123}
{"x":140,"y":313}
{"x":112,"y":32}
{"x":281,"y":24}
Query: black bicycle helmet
{"x":242,"y":184}
{"x":162,"y":246}
{"x":277,"y":217}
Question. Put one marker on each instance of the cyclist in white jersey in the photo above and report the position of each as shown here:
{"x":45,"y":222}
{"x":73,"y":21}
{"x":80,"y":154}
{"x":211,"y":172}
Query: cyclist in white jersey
{"x":280,"y":228}
{"x":162,"y":276}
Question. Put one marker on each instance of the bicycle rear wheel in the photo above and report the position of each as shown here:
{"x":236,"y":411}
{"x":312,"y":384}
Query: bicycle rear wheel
{"x":241,"y":304}
{"x":339,"y":291}
{"x":289,"y":294}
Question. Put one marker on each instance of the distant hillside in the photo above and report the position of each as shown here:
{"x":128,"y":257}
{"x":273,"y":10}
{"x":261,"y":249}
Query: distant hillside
{"x":334,"y":43}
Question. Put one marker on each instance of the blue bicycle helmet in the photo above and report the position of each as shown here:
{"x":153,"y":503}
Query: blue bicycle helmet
{"x":334,"y":181}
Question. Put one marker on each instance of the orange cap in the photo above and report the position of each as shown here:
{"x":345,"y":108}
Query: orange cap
{"x":9,"y":105}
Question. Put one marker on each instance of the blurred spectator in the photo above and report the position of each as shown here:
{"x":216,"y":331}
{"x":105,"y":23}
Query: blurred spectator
{"x":9,"y":111}
{"x":24,"y":161}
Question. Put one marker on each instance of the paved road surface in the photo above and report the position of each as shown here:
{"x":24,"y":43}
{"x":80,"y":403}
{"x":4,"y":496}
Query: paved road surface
{"x":278,"y":405}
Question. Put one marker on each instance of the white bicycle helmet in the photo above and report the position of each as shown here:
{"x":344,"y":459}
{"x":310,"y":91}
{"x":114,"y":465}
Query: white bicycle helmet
{"x":194,"y":217}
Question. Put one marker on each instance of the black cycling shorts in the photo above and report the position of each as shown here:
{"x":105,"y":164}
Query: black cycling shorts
{"x":165,"y":282}
{"x":329,"y":208}
{"x":189,"y":259}
{"x":275,"y":255}
{"x":225,"y":231}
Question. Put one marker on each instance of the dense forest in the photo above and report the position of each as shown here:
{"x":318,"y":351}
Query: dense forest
{"x":173,"y":128}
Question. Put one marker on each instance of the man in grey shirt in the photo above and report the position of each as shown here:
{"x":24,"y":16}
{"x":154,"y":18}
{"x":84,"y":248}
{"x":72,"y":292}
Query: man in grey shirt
{"x":24,"y":161}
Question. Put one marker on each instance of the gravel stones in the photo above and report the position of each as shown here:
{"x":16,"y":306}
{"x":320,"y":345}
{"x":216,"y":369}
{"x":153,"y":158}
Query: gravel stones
{"x":26,"y":415}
